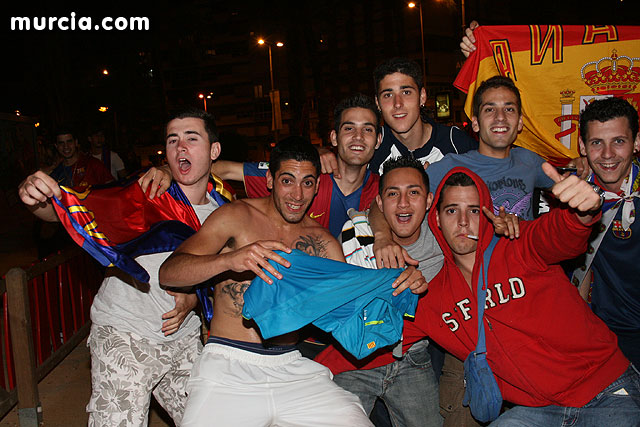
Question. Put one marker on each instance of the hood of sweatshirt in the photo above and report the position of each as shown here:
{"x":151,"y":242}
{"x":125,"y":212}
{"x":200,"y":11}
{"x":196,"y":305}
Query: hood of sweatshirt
{"x":485,"y":228}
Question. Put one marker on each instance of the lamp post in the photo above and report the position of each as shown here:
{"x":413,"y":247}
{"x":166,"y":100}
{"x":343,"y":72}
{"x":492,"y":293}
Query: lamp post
{"x":104,"y":109}
{"x":424,"y":58}
{"x":204,"y":99}
{"x":278,"y":44}
{"x":274,"y":94}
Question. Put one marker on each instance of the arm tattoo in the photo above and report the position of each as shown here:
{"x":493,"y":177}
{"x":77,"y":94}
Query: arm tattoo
{"x":236,"y":292}
{"x":312,"y":245}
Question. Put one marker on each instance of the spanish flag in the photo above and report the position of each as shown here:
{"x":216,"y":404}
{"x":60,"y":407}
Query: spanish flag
{"x":559,"y":69}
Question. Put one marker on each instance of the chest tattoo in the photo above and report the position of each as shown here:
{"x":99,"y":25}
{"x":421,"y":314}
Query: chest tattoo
{"x":312,"y":245}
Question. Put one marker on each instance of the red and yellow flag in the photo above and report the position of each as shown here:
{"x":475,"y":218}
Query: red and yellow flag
{"x":559,"y":69}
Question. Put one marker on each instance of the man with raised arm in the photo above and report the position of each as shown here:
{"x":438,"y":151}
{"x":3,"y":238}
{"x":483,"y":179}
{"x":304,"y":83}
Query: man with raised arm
{"x":144,"y":337}
{"x":404,"y":199}
{"x":550,"y":355}
{"x":356,"y":136}
{"x":510,"y":172}
{"x":242,"y":379}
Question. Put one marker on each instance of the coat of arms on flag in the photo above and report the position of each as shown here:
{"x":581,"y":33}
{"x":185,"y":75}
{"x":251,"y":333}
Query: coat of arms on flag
{"x":559,"y":69}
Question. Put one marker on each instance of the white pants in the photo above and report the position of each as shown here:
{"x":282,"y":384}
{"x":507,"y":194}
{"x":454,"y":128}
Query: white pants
{"x":233,"y":387}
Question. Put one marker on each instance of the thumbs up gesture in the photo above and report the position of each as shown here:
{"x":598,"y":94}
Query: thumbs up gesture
{"x":574,"y":191}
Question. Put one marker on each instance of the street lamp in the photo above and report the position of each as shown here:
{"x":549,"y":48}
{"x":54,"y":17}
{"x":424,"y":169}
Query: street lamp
{"x":274,"y":95}
{"x":104,"y":109}
{"x":204,"y":99}
{"x":278,"y":44}
{"x":424,"y":58}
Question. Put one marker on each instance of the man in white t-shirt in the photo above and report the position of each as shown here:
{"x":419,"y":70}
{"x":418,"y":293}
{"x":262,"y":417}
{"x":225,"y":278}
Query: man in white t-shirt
{"x":144,"y":338}
{"x":100,"y":150}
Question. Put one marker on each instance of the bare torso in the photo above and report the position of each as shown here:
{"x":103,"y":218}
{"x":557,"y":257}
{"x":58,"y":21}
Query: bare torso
{"x":308,"y":236}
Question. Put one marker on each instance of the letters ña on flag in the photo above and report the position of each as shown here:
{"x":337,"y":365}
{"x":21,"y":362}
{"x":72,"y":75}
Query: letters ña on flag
{"x":559,"y":69}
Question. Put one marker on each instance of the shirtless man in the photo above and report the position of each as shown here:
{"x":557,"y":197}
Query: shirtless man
{"x":242,"y":379}
{"x":356,"y":136}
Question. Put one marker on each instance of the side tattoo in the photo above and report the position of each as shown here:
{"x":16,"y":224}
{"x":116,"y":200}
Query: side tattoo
{"x":236,"y":292}
{"x":312,"y":245}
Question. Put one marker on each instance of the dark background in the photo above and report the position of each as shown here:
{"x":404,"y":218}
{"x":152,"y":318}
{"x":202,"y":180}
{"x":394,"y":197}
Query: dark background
{"x":194,"y":46}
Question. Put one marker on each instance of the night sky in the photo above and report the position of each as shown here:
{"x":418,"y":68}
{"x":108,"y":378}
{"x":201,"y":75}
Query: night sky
{"x":43,"y":69}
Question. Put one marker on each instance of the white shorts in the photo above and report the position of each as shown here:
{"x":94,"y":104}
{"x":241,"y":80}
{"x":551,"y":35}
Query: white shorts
{"x":233,"y":387}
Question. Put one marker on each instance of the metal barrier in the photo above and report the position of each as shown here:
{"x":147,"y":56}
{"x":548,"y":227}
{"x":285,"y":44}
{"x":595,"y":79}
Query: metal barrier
{"x":44,"y":315}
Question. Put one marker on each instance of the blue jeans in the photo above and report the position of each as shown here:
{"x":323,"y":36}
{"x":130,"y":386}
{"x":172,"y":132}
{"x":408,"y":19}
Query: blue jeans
{"x":618,"y":405}
{"x":408,"y":387}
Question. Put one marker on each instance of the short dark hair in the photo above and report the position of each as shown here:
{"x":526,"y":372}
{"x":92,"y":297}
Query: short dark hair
{"x":357,"y":100}
{"x":458,"y":179}
{"x":294,"y":148}
{"x":397,"y":65}
{"x":402,"y":162}
{"x":607,"y":109}
{"x":196,"y":113}
{"x":494,"y":83}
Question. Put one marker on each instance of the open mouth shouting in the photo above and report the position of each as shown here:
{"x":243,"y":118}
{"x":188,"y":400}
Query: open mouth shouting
{"x":184,"y":165}
{"x":404,"y":218}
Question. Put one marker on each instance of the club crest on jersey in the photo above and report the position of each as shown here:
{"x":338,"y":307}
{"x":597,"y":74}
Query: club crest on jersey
{"x":618,"y":231}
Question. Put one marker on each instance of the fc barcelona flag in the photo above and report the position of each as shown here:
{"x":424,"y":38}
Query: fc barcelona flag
{"x":115,"y":223}
{"x":559,"y":69}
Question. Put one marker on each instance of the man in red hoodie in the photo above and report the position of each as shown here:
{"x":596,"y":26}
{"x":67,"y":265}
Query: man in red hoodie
{"x":550,"y":354}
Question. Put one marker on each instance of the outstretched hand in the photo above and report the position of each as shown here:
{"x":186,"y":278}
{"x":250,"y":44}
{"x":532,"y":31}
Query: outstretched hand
{"x":328,"y":162}
{"x":185,"y":302}
{"x":411,"y":278}
{"x":389,"y":254}
{"x":504,"y":224}
{"x":467,"y":45}
{"x":573,"y":191}
{"x":38,"y":188}
{"x":157,"y":180}
{"x":255,"y":257}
